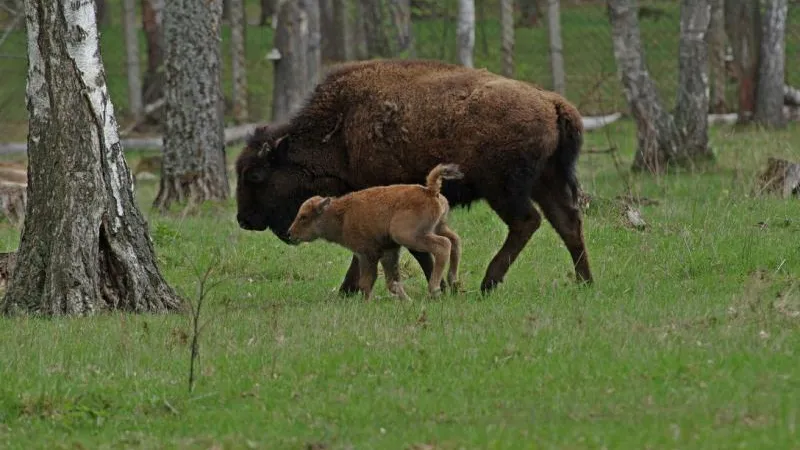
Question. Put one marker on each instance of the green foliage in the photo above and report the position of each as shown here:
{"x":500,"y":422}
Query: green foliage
{"x":688,"y":339}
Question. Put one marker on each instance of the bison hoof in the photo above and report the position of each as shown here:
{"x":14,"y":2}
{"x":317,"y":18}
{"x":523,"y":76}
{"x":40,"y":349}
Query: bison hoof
{"x":487,"y":285}
{"x":348,"y":291}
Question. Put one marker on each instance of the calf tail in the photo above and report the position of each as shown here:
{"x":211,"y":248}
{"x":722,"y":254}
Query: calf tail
{"x":443,"y":171}
{"x":570,"y":140}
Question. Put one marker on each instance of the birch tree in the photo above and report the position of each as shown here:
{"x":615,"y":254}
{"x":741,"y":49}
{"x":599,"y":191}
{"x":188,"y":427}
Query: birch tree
{"x":239,"y":60}
{"x":769,"y":94}
{"x":193,"y":166}
{"x":134,"y":73}
{"x":507,"y":42}
{"x":556,"y":46}
{"x":664,"y":140}
{"x":465,"y":32}
{"x":85,"y":247}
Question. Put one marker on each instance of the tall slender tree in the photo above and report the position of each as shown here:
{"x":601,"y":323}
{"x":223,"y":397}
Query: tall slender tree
{"x":664,"y":140}
{"x":152,"y":22}
{"x":465,"y":32}
{"x":85,"y":247}
{"x":769,"y":94}
{"x":743,"y":27}
{"x":556,"y":47}
{"x":193,"y":167}
{"x":507,"y":24}
{"x":134,"y":74}
{"x":239,"y":59}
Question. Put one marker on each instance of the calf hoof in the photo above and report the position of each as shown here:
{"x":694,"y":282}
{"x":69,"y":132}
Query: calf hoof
{"x":435,"y":293}
{"x":455,"y":287}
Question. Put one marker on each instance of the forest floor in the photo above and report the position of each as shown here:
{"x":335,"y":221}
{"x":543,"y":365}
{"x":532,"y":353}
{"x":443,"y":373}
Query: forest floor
{"x":688,"y":339}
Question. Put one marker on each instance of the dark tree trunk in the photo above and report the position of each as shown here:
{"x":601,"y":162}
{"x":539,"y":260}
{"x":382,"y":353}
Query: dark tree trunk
{"x":267,"y":11}
{"x":103,"y":18}
{"x":743,"y":27}
{"x":296,"y":61}
{"x":530,"y":12}
{"x":691,"y":112}
{"x":85,"y":246}
{"x":154,"y":79}
{"x":769,"y":103}
{"x":194,"y":151}
{"x":716,"y":55}
{"x":662,"y":142}
{"x":333,"y":27}
{"x":239,"y":60}
{"x":375,"y":29}
{"x":133,"y":71}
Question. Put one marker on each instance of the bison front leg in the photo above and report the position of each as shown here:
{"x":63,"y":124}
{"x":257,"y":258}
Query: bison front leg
{"x":350,"y":284}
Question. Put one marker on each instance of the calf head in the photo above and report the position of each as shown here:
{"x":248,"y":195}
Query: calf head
{"x":269,"y":187}
{"x":308,"y":225}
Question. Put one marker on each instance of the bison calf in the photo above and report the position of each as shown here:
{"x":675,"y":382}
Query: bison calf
{"x":375,"y":222}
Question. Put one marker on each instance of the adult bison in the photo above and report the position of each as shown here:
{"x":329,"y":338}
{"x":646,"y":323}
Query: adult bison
{"x":385,"y":122}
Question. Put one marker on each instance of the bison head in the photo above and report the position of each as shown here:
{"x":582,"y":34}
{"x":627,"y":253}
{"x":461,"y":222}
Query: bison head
{"x":272,"y":182}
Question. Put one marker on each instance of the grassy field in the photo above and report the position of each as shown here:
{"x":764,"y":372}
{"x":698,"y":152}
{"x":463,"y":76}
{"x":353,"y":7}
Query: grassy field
{"x":689,"y":339}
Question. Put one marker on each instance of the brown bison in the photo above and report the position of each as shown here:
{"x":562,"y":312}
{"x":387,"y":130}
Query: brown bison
{"x":384,"y":122}
{"x":374,"y":222}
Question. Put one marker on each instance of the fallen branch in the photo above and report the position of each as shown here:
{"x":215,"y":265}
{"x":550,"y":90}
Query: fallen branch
{"x":232,"y":134}
{"x":601,"y":150}
{"x":593,"y":123}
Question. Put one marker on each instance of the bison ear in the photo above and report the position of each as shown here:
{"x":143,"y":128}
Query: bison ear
{"x":323,"y":205}
{"x":278,"y":149}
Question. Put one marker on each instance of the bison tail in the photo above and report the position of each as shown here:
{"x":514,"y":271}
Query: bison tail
{"x":442,"y":171}
{"x":570,"y":140}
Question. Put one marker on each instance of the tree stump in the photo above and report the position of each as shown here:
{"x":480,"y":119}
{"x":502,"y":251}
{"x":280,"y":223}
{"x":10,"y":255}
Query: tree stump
{"x":781,"y":176}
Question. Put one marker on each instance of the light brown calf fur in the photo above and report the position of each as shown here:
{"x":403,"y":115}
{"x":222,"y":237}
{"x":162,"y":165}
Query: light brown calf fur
{"x":375,"y":222}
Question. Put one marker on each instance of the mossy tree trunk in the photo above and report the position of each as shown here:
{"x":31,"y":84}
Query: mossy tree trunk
{"x":85,"y":247}
{"x":194,"y":167}
{"x":664,"y":140}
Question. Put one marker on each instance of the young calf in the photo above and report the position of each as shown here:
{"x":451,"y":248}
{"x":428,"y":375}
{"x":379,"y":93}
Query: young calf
{"x":375,"y":222}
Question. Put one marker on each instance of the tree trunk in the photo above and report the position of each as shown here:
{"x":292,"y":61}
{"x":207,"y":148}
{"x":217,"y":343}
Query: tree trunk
{"x":239,"y":60}
{"x":743,"y":27}
{"x":154,"y":79}
{"x":294,"y":58}
{"x":194,"y":151}
{"x":691,"y":112}
{"x":333,"y":46}
{"x":781,"y":177}
{"x":530,"y":11}
{"x":716,"y":55}
{"x":465,"y":32}
{"x":314,"y":61}
{"x":85,"y":246}
{"x":769,"y":103}
{"x":657,"y":135}
{"x":400,"y":13}
{"x":375,"y":29}
{"x":556,"y":47}
{"x":132,"y":56}
{"x":507,"y":24}
{"x":267,"y":11}
{"x":103,"y":18}
{"x":662,"y":142}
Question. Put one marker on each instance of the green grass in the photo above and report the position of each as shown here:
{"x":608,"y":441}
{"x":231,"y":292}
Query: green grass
{"x":688,"y":339}
{"x":591,"y":83}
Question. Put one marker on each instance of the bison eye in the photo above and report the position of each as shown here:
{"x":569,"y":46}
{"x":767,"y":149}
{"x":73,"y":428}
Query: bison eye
{"x":255,"y":175}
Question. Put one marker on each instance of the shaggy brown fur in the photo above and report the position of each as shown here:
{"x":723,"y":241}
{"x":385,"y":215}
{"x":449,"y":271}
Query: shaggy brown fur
{"x":375,"y":222}
{"x":381,"y":122}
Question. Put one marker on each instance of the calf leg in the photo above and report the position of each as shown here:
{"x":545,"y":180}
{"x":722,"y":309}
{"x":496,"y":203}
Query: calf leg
{"x":564,"y":215}
{"x":391,"y":269}
{"x":427,"y":242}
{"x":455,"y":254}
{"x":368,"y":273}
{"x":522,"y":220}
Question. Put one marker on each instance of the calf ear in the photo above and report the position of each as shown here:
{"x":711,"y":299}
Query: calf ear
{"x":323,"y":205}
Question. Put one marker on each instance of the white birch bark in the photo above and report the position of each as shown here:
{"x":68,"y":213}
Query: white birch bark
{"x":465,"y":32}
{"x":556,"y":47}
{"x":84,"y":246}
